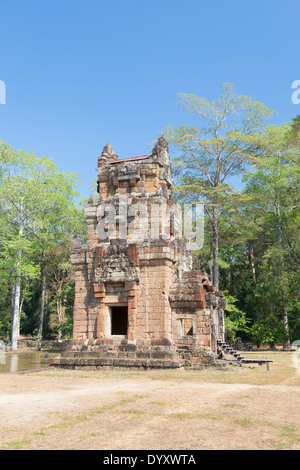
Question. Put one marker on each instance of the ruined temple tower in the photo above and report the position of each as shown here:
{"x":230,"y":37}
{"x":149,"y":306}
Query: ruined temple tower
{"x":138,"y":302}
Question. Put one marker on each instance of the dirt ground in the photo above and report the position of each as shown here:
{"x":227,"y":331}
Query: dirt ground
{"x":234,"y":409}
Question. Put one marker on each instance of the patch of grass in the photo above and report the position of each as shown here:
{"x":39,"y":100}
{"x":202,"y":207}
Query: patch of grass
{"x":40,"y":433}
{"x":18,"y":444}
{"x":159,"y":403}
{"x":181,"y":415}
{"x":134,"y":411}
{"x":92,"y":434}
{"x":174,"y":414}
{"x":290,"y":437}
{"x":209,"y":416}
{"x":289,"y":431}
{"x":233,"y":405}
{"x":65,"y":424}
{"x":243,"y":421}
{"x":279,"y":445}
{"x":87,"y":415}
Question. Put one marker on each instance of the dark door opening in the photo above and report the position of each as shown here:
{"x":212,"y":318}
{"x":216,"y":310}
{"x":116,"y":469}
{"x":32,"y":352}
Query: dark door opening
{"x":119,"y":320}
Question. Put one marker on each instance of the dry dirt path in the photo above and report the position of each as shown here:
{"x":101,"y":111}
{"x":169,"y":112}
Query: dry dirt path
{"x":144,"y":411}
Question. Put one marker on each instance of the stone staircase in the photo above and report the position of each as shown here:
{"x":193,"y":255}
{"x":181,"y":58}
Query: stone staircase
{"x":239,"y":359}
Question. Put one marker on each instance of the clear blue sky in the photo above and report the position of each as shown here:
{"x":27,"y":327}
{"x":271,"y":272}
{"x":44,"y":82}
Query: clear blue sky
{"x":80,"y":73}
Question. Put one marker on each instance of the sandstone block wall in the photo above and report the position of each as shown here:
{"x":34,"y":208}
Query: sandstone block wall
{"x":150,"y":275}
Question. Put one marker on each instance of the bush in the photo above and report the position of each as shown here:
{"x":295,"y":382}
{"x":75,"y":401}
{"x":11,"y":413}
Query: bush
{"x":268,"y":331}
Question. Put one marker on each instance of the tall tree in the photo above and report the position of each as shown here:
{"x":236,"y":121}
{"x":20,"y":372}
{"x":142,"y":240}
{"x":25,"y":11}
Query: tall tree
{"x":212,"y":154}
{"x":34,"y":203}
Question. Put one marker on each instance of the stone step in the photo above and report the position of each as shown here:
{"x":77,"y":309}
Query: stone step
{"x":119,"y":354}
{"x":229,"y":350}
{"x":119,"y":347}
{"x":240,"y":359}
{"x":98,"y":363}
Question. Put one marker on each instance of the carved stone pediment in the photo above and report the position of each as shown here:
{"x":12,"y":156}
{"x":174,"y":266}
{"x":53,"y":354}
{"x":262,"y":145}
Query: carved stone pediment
{"x":127,"y":170}
{"x":116,"y":266}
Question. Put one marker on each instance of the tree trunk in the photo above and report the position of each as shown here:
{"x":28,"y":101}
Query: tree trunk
{"x":12,"y":302}
{"x":232,"y":278}
{"x":61,"y":310}
{"x":211,"y":265}
{"x":215,"y":242}
{"x":15,"y":318}
{"x":251,"y":262}
{"x":40,"y":333}
{"x":17,"y":293}
{"x":20,"y":311}
{"x":287,"y":343}
{"x":58,"y":310}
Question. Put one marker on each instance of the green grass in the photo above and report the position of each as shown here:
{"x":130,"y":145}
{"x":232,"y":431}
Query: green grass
{"x":233,"y":405}
{"x":134,"y":411}
{"x":19,"y":444}
{"x":92,"y":434}
{"x":180,"y":415}
{"x":159,"y":403}
{"x":88,"y":415}
{"x":242,"y":421}
{"x":289,"y":438}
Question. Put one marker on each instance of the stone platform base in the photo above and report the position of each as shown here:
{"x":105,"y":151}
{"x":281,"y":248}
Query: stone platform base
{"x":94,"y":356}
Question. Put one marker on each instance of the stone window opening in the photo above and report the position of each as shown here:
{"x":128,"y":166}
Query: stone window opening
{"x":186,"y":327}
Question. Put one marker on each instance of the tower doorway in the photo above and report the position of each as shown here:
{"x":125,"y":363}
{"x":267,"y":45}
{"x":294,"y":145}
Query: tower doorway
{"x":119,"y":320}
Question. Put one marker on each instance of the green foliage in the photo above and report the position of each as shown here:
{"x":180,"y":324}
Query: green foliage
{"x":210,"y":155}
{"x":66,"y":328}
{"x":4,"y":323}
{"x":258,"y":237}
{"x":38,"y":216}
{"x":235,"y":319}
{"x":268,"y":331}
{"x":5,"y":315}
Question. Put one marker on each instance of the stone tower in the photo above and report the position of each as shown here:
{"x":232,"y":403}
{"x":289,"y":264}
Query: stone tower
{"x":135,"y":289}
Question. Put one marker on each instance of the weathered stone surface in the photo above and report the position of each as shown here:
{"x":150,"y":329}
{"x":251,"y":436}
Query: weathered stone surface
{"x":149,"y":278}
